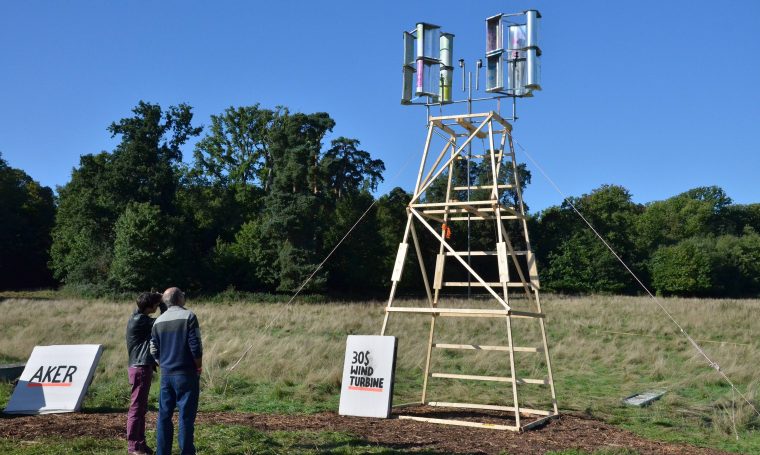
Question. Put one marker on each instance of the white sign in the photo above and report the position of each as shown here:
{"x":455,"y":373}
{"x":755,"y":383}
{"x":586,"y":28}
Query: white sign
{"x":367,"y":388}
{"x":55,"y":379}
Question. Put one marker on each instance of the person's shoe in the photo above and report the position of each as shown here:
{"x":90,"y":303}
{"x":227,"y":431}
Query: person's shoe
{"x":136,"y":452}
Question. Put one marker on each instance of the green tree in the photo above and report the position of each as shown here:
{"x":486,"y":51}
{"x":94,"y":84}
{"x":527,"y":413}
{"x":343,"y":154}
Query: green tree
{"x":27,"y":212}
{"x":572,"y":258}
{"x":346,"y":169}
{"x":144,"y":167}
{"x":698,"y":211}
{"x":144,"y":253}
{"x":357,"y":264}
{"x":236,"y":148}
{"x":686,"y":268}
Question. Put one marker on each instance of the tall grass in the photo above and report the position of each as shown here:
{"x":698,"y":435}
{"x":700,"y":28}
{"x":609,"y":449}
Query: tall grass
{"x":603,"y":349}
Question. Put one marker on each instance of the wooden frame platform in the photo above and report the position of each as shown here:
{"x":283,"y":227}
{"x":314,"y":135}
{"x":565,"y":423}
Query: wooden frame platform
{"x":517,"y":269}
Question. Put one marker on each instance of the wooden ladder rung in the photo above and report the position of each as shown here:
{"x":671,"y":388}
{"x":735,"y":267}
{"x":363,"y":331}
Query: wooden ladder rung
{"x":465,"y":312}
{"x":480,"y":253}
{"x":463,"y":209}
{"x":486,"y":202}
{"x":479,"y":347}
{"x":481,"y":187}
{"x":489,"y":407}
{"x":492,"y":284}
{"x":488,"y":378}
{"x":482,"y":218}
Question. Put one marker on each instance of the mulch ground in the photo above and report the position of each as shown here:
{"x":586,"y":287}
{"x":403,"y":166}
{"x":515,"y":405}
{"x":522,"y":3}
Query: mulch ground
{"x":566,"y":432}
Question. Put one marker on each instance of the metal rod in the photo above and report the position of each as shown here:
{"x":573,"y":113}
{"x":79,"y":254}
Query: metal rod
{"x":488,"y":98}
{"x":469,"y":159}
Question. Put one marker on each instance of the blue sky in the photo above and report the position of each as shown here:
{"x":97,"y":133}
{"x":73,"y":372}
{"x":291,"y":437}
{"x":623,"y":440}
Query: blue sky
{"x":659,"y":97}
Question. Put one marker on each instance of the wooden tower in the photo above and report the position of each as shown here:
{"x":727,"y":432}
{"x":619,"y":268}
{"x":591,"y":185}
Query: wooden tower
{"x":506,"y":271}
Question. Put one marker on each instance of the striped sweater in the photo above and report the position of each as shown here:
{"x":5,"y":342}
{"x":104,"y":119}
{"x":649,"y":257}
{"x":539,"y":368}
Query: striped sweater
{"x":176,"y":341}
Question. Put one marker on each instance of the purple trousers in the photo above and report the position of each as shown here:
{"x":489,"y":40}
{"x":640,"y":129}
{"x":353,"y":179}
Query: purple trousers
{"x":139,"y":379}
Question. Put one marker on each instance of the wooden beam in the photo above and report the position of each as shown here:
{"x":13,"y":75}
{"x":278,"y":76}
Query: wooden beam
{"x":480,"y":187}
{"x":501,"y":120}
{"x":484,"y":253}
{"x":487,"y":202}
{"x":466,"y":116}
{"x":489,"y":407}
{"x":472,"y":129}
{"x":478,"y":347}
{"x":442,"y":311}
{"x":462,"y":423}
{"x":445,"y":128}
{"x":488,"y":378}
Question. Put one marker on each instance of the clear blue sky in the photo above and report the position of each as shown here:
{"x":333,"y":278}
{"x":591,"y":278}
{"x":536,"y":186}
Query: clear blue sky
{"x":658,"y":96}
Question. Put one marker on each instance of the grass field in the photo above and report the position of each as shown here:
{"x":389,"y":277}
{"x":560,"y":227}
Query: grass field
{"x":603,"y":349}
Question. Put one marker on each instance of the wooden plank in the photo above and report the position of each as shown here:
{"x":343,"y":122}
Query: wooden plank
{"x":490,"y":407}
{"x":501,"y":253}
{"x":486,"y":202}
{"x":438,"y":277}
{"x":445,"y":128}
{"x":464,"y":312}
{"x":472,"y":129}
{"x":514,"y":284}
{"x":479,"y":347}
{"x":471,"y":377}
{"x":462,"y":423}
{"x":481,"y":218}
{"x":398,"y":267}
{"x":500,"y":119}
{"x":488,"y":378}
{"x":481,"y":187}
{"x":465,"y":116}
{"x":533,"y":270}
{"x":469,"y":311}
{"x":464,"y":210}
{"x":483,"y":253}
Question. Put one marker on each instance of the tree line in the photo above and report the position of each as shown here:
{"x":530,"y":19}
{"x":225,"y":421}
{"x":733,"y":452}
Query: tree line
{"x":265,"y":199}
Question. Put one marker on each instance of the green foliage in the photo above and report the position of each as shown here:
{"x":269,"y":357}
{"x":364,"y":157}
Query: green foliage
{"x":695,"y":212}
{"x":143,"y":168}
{"x":264,"y":202}
{"x":354,"y":266}
{"x":724,"y":265}
{"x":684,"y":268}
{"x":346,"y":169}
{"x":573,"y":258}
{"x":27,"y":214}
{"x":143,"y":251}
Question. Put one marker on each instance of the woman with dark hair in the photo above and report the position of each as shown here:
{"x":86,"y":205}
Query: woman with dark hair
{"x":141,"y":368}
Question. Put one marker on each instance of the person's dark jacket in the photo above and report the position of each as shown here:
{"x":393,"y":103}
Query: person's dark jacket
{"x":138,"y":338}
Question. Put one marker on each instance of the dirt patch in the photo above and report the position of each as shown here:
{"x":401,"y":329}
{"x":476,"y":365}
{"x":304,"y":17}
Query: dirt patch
{"x":568,"y":431}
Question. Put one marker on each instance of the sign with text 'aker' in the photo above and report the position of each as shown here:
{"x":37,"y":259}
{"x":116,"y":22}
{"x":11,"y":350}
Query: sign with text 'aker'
{"x":55,"y":379}
{"x":367,"y":388}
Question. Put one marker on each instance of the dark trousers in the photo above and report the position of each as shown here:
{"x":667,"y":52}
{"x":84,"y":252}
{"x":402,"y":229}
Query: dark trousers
{"x":177,"y":390}
{"x":139,"y":379}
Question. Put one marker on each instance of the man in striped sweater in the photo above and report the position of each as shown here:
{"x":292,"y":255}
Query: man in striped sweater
{"x":176,"y":345}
